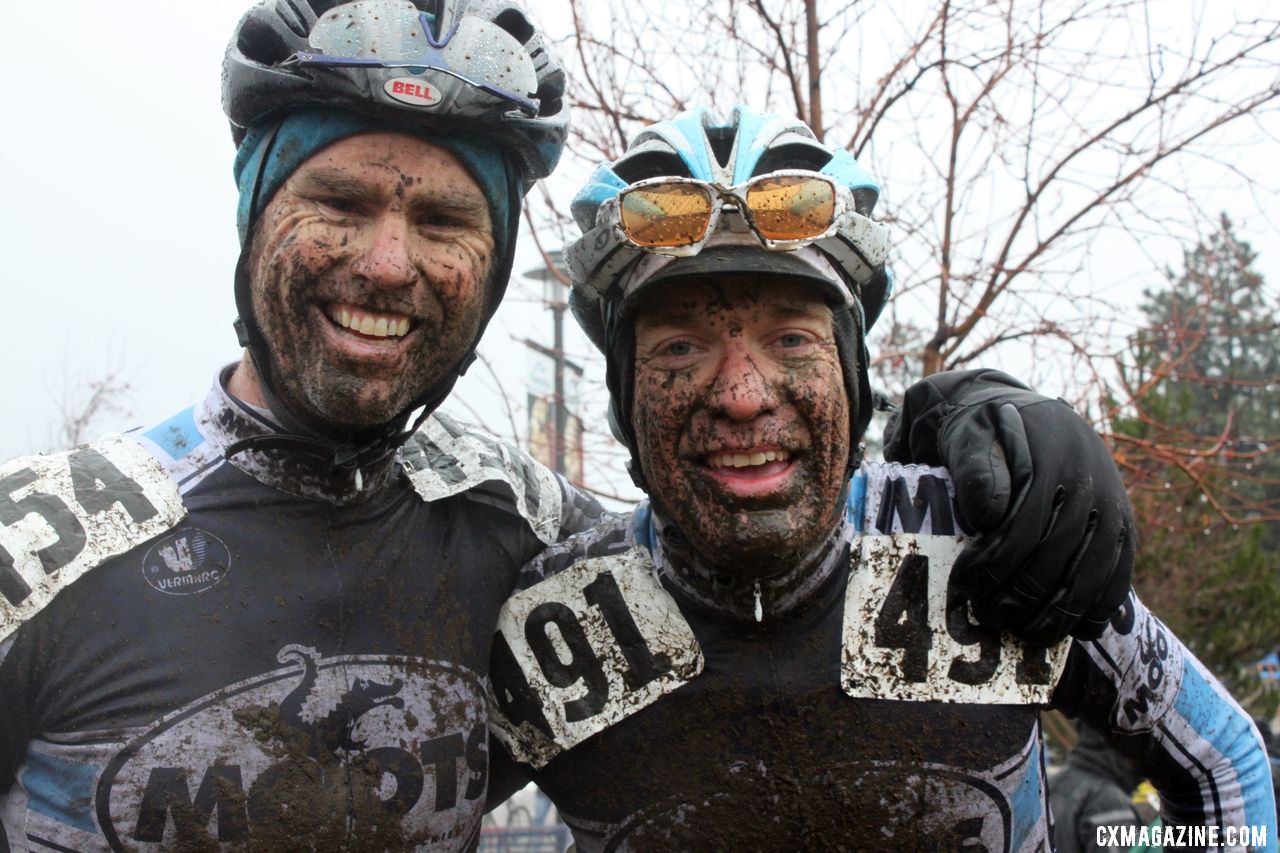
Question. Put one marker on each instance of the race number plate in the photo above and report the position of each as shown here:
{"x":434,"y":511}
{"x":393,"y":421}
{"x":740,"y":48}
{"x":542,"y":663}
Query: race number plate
{"x":905,"y":639}
{"x":64,"y":514}
{"x":584,"y":649}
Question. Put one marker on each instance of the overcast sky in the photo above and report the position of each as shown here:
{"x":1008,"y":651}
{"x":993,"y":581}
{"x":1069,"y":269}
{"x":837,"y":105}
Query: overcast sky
{"x":118,"y":213}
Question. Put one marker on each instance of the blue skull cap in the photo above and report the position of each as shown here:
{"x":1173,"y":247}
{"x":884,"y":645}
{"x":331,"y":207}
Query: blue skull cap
{"x":302,"y":134}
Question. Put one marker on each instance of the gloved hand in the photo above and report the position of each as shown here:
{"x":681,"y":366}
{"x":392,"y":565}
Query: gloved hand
{"x":1054,"y":539}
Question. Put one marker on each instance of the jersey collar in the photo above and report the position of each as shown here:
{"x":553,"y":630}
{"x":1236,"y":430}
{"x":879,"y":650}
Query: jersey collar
{"x":228,"y":422}
{"x":780,"y":596}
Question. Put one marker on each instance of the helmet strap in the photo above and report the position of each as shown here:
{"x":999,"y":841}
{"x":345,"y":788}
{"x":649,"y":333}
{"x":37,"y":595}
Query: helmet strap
{"x":301,"y":432}
{"x":308,"y":434}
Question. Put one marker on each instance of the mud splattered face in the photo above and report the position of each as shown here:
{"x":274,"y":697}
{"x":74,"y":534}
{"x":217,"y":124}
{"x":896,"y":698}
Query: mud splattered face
{"x":368,"y":275}
{"x":741,"y":418}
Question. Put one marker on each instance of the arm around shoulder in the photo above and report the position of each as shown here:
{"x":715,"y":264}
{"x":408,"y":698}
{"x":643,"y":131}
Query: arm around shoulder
{"x":1176,"y":723}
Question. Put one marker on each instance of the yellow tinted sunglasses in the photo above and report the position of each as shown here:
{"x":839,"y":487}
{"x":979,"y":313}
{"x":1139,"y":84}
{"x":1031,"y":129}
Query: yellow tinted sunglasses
{"x":677,"y":216}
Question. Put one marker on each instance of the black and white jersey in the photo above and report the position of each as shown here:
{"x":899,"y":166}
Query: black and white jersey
{"x":255,"y":650}
{"x":873,"y":715}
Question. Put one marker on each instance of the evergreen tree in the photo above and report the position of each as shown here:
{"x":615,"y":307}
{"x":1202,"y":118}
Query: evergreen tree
{"x":1200,"y":447}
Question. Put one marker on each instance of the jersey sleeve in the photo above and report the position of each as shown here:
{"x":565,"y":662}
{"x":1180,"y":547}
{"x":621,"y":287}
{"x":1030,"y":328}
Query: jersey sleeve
{"x":15,"y":723}
{"x":1174,"y":721}
{"x":63,"y":515}
{"x":608,"y":533}
{"x":447,"y":457}
{"x":506,"y":775}
{"x":579,"y":511}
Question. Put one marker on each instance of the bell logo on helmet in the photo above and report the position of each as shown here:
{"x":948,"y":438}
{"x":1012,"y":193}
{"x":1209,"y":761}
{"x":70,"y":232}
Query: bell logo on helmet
{"x":413,"y":92}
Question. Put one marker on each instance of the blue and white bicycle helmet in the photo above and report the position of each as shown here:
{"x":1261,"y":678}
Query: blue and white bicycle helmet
{"x":608,"y":270}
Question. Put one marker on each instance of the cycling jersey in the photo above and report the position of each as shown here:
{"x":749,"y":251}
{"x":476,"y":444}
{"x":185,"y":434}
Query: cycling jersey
{"x":673,"y":709}
{"x":252,"y":648}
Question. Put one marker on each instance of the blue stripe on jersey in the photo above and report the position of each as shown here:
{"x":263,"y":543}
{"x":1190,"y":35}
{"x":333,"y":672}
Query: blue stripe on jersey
{"x":641,"y":526}
{"x":177,"y":436}
{"x":1027,"y":801}
{"x":856,"y":505}
{"x":61,"y":789}
{"x":1232,"y":735}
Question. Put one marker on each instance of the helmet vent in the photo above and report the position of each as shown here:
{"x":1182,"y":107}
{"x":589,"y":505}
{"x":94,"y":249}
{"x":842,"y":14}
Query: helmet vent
{"x":550,"y":94}
{"x":435,"y":10}
{"x":319,"y":7}
{"x":795,"y":156}
{"x":721,"y":139}
{"x":515,"y":23}
{"x":864,"y":200}
{"x":651,"y":164}
{"x":296,"y":15}
{"x":259,"y":42}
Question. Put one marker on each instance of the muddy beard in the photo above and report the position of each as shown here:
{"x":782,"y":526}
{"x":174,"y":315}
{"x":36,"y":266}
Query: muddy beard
{"x":792,"y":583}
{"x":754,"y":538}
{"x":332,"y":392}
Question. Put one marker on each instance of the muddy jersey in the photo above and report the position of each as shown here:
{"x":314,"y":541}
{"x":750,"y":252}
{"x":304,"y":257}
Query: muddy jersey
{"x":656,"y":721}
{"x":251,"y":650}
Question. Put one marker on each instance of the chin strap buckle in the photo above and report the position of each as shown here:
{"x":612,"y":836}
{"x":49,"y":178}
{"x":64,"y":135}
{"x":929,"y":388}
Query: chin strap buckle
{"x":880,"y":402}
{"x":637,"y":476}
{"x":242,"y":332}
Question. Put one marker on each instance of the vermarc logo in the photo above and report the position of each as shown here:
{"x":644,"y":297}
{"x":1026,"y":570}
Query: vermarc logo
{"x":186,"y":562}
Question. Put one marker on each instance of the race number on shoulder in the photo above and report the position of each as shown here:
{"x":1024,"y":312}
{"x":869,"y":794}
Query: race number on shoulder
{"x":904,"y":637}
{"x":63,"y":514}
{"x":584,"y":649}
{"x":445,"y":458}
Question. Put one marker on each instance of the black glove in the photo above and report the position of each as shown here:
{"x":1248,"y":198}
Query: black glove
{"x":1054,"y":540}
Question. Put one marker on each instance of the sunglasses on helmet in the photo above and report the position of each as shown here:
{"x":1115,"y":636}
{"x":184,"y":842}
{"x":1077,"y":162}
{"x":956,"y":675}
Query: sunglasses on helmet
{"x":785,"y":210}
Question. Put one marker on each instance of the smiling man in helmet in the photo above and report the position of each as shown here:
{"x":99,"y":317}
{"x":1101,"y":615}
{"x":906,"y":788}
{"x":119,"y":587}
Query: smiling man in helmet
{"x":765,"y":655}
{"x":265,"y":621}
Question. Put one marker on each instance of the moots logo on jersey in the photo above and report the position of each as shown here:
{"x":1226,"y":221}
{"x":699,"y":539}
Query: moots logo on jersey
{"x":186,"y":562}
{"x":863,"y":805}
{"x":413,"y":91}
{"x":386,"y":754}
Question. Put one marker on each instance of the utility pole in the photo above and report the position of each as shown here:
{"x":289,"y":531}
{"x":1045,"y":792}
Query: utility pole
{"x":555,"y":297}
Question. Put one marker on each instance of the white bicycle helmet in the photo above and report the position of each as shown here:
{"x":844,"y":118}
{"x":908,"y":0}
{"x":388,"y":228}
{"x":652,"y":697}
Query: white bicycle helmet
{"x":478,"y":66}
